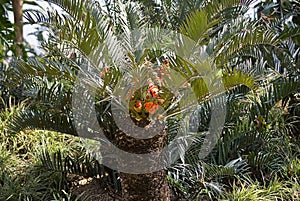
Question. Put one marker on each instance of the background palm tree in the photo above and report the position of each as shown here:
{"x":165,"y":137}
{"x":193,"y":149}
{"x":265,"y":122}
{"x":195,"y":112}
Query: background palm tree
{"x":18,"y":21}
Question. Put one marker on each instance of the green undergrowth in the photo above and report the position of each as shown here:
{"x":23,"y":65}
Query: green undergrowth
{"x":33,"y":166}
{"x":23,"y":176}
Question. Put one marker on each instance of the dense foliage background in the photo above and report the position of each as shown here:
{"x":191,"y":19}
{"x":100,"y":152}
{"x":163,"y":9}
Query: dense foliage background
{"x":257,"y":155}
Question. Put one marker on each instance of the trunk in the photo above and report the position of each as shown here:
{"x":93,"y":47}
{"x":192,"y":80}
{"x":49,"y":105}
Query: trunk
{"x":18,"y":14}
{"x":149,"y":186}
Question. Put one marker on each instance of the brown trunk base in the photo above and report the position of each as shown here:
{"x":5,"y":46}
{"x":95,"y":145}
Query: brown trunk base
{"x":151,"y":186}
{"x":147,"y":187}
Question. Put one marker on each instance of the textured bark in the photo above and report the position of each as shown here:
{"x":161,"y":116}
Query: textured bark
{"x":18,"y":14}
{"x":149,"y":186}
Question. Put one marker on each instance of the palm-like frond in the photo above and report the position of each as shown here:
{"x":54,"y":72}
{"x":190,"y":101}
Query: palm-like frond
{"x":87,"y":167}
{"x":74,"y":7}
{"x":77,"y":25}
{"x":30,"y":120}
{"x":235,"y":168}
{"x":196,"y":25}
{"x":201,"y":179}
{"x":44,"y":67}
{"x":50,"y":109}
{"x":264,"y":161}
{"x":226,"y":9}
{"x":211,"y":18}
{"x":250,"y":116}
{"x":244,"y":38}
{"x":249,"y":68}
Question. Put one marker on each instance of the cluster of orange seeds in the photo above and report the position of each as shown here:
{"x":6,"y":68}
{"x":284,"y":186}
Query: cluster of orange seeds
{"x":150,"y":103}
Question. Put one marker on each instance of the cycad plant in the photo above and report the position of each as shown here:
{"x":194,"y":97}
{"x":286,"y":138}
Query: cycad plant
{"x":115,"y":66}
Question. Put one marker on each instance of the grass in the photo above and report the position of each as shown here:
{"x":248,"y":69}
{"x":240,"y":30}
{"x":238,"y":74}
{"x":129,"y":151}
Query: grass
{"x":22,"y":175}
{"x":276,"y":190}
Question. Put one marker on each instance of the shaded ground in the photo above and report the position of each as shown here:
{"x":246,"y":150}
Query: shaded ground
{"x":96,"y":190}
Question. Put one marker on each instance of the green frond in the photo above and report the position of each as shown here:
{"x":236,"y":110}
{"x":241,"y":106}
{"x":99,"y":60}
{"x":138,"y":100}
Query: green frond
{"x":263,"y":161}
{"x":234,"y":139}
{"x":225,"y":10}
{"x":277,"y":90}
{"x":252,"y":116}
{"x":235,"y":168}
{"x":289,"y":32}
{"x":206,"y":179}
{"x":43,"y":67}
{"x":30,"y":120}
{"x":208,"y":20}
{"x":229,"y":82}
{"x":49,"y":109}
{"x":238,"y":78}
{"x":75,"y":8}
{"x":34,"y":16}
{"x":86,"y":167}
{"x":245,"y":39}
{"x":78,"y":25}
{"x":129,"y":16}
{"x":196,"y":25}
{"x":83,"y":34}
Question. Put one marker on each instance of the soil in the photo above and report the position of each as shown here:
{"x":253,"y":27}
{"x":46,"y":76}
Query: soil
{"x":94,"y":189}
